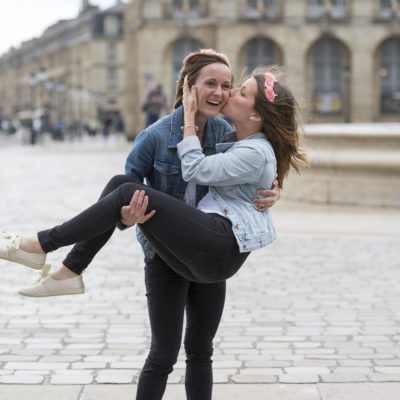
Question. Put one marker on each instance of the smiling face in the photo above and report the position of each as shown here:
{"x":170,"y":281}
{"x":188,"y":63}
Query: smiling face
{"x":240,"y":105}
{"x":212,"y":87}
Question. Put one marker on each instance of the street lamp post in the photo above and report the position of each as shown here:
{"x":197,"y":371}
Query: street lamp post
{"x":60,"y":90}
{"x":42,"y":77}
{"x":49,"y":103}
{"x":32,"y":83}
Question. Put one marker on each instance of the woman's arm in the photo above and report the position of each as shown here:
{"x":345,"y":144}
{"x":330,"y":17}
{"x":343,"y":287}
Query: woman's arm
{"x":189,"y":101}
{"x":242,"y":164}
{"x":139,"y":162}
{"x":135,"y":212}
{"x":271,"y":196}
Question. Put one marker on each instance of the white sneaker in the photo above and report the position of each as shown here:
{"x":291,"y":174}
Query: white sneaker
{"x":47,"y":286}
{"x":10,"y":251}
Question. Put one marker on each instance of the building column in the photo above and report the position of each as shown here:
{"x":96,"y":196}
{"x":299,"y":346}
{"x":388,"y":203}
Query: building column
{"x":295,"y":59}
{"x":132,"y":112}
{"x":362,"y":85}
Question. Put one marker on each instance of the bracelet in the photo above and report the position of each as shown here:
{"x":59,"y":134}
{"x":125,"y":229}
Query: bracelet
{"x":190,"y":126}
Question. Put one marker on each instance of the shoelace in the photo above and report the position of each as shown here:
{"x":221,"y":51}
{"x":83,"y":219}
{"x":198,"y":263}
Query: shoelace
{"x":13,"y":243}
{"x":44,"y":273}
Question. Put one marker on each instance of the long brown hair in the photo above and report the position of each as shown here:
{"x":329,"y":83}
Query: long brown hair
{"x":192,"y":66}
{"x":281,"y":122}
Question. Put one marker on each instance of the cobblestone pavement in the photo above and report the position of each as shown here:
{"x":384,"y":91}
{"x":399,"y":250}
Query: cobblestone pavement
{"x":316,"y":306}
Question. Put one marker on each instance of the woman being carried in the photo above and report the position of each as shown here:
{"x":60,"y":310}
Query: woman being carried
{"x":210,"y":243}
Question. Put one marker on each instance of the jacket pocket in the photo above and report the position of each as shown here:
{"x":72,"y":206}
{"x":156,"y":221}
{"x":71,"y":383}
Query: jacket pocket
{"x":166,"y":168}
{"x":167,"y":173}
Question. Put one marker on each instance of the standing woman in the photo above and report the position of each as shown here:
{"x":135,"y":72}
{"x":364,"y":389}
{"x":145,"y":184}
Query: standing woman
{"x":169,"y":295}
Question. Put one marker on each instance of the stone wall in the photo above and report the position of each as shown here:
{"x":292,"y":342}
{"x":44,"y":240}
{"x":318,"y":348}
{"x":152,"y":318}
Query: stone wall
{"x":356,"y":164}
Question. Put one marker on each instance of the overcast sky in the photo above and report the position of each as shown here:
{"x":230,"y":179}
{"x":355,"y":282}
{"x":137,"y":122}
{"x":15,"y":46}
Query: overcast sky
{"x":21,"y":20}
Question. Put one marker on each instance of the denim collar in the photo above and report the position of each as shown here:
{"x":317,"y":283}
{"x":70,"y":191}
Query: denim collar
{"x":176,"y":134}
{"x":258,"y":135}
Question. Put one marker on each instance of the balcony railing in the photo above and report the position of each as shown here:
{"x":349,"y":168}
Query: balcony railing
{"x":328,"y":10}
{"x":186,"y":9}
{"x":258,"y":9}
{"x":389,"y":10}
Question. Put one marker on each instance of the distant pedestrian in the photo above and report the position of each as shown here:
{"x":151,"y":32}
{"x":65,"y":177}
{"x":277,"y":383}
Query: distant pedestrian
{"x":106,"y":126}
{"x":93,"y":126}
{"x":118,"y":124}
{"x":58,"y":130}
{"x":154,"y":103}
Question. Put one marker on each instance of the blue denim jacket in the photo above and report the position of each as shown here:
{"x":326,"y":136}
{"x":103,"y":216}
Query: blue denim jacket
{"x":154,"y":157}
{"x":234,"y":177}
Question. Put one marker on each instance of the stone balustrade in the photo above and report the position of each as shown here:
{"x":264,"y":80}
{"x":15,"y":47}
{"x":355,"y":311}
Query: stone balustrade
{"x":350,"y":164}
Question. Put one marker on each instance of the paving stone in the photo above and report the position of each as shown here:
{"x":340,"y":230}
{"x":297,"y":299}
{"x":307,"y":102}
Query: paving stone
{"x":284,"y":338}
{"x":307,"y":370}
{"x":265,"y":364}
{"x":359,"y":391}
{"x":228,"y":364}
{"x":388,"y":370}
{"x":356,"y":363}
{"x":33,"y":372}
{"x":382,"y":377}
{"x":315,"y":363}
{"x":76,"y":377}
{"x":35,"y":365}
{"x":25,"y":358}
{"x":88,"y":365}
{"x":115,"y":376}
{"x":261,"y":371}
{"x":353,"y":370}
{"x":299,"y":378}
{"x":384,"y":363}
{"x":342,"y":378}
{"x":21,"y":379}
{"x":257,"y":378}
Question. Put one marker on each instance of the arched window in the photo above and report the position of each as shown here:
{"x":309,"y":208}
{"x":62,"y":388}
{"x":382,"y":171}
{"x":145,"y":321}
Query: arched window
{"x":327,"y":57}
{"x":180,"y":49}
{"x":259,"y":52}
{"x":389,"y":72}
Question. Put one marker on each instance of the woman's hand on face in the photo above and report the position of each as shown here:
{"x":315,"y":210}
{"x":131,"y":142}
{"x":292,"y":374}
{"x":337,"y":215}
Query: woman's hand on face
{"x":135,"y":212}
{"x":270,"y":197}
{"x":189,"y":100}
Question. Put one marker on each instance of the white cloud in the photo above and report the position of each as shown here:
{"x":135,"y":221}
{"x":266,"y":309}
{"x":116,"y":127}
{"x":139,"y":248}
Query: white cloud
{"x":22,"y":20}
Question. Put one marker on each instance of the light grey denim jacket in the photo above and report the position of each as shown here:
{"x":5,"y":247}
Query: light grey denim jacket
{"x":234,"y":176}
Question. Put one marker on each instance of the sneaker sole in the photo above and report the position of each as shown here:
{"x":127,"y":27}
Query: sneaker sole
{"x":34,"y":266}
{"x":49,"y":294}
{"x":26,"y":263}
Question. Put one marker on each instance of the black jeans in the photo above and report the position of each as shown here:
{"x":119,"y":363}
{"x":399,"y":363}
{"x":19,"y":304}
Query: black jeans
{"x":168,"y":295}
{"x":198,"y":246}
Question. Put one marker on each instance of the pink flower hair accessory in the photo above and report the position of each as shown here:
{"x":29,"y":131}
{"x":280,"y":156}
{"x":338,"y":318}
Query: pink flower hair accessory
{"x":209,"y":52}
{"x":269,"y":83}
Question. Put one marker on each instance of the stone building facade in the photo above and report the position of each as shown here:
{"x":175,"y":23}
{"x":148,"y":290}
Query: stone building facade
{"x":75,"y":71}
{"x":342,"y":56}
